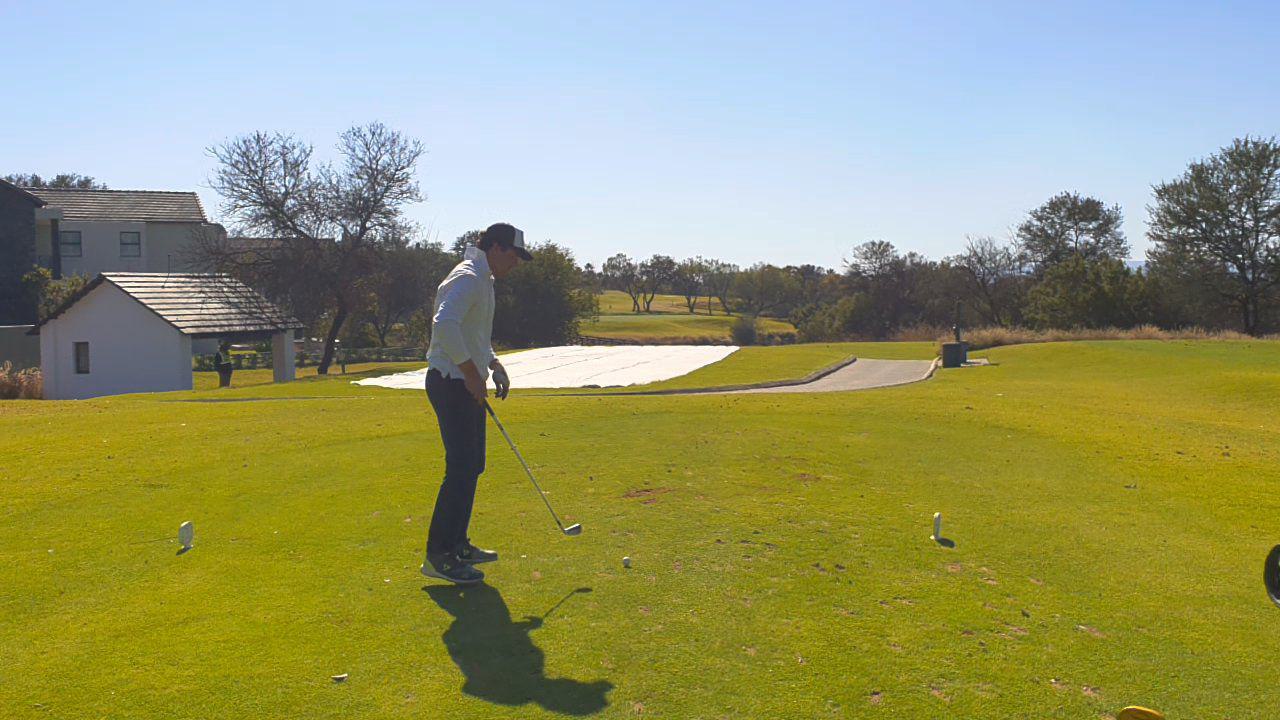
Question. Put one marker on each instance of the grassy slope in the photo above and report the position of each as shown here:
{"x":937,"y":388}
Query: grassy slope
{"x":656,"y":327}
{"x":614,"y":302}
{"x":670,"y":320}
{"x":263,"y":376}
{"x":782,"y":567}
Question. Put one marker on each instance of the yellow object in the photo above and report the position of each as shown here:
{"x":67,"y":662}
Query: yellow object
{"x":1139,"y":713}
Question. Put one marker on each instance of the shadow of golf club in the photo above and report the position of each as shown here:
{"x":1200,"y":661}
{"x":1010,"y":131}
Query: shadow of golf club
{"x":498,"y":658}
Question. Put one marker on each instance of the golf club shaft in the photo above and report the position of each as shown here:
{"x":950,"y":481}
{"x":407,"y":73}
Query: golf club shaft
{"x":524,"y":464}
{"x":555,"y":607}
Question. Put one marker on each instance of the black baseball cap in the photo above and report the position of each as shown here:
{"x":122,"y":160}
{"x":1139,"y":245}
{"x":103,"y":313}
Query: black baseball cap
{"x":507,"y":236}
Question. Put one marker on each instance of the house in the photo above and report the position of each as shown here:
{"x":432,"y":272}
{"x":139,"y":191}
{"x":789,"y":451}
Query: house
{"x":133,"y":332}
{"x":81,"y":231}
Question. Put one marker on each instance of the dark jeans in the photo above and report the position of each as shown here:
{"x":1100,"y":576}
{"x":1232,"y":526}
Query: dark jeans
{"x":462,"y":424}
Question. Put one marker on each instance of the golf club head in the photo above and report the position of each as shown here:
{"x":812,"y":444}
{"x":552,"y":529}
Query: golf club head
{"x":573,"y":530}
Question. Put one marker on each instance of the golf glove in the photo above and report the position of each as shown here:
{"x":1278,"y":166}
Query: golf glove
{"x":501,"y":382}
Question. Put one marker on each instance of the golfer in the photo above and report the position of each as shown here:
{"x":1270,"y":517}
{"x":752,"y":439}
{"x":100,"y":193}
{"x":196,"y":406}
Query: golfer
{"x":459,"y":360}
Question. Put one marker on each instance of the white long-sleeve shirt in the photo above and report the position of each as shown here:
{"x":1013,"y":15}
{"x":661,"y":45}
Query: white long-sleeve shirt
{"x":462,"y":326}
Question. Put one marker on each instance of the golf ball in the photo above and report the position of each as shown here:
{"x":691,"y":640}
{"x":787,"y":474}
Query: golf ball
{"x":626,"y":562}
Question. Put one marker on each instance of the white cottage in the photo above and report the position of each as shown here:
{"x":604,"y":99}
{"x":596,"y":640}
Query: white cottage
{"x":132,"y":332}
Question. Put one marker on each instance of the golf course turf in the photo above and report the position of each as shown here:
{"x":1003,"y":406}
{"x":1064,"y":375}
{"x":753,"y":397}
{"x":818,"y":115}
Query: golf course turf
{"x":1111,"y":504}
{"x":669,"y":321}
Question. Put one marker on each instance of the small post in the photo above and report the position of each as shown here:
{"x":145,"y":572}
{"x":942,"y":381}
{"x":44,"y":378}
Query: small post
{"x":186,"y":535}
{"x":937,"y":527}
{"x":282,"y":357}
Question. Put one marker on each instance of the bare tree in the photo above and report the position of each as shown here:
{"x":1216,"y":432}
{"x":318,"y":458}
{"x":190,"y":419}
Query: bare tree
{"x":994,"y":275}
{"x":324,"y":225}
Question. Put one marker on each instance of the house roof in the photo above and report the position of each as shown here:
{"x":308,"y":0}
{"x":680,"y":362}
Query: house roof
{"x":134,"y":205}
{"x":200,"y":305}
{"x":6,"y":185}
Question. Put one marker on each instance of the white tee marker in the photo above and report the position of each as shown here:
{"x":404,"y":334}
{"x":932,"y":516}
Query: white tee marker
{"x":937,"y":527}
{"x":186,"y":534}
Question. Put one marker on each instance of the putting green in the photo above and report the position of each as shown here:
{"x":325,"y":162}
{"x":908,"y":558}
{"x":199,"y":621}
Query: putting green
{"x":1111,"y":505}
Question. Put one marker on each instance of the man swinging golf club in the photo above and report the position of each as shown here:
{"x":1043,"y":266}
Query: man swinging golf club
{"x":459,"y":360}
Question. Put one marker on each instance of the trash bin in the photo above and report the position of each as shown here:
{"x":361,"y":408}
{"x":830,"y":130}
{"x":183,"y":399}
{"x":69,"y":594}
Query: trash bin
{"x":954,"y":354}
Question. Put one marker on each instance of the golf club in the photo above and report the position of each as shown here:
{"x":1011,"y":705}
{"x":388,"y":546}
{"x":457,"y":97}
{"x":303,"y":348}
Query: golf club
{"x":1271,"y":575}
{"x":572,"y":530}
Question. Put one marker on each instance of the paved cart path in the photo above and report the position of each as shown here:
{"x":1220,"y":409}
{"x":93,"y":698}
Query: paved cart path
{"x":863,"y":374}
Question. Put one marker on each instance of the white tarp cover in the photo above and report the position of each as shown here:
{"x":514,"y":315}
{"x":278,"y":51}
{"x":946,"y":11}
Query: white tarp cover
{"x":572,"y":366}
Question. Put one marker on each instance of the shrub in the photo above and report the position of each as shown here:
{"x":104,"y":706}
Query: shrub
{"x":987,"y":337}
{"x":20,"y":384}
{"x":745,"y":330}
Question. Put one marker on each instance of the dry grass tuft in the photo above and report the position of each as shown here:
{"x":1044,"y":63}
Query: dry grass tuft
{"x":20,"y":384}
{"x":988,"y":337}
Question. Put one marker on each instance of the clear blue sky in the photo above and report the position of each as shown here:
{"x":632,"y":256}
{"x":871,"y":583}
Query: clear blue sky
{"x":785,"y":132}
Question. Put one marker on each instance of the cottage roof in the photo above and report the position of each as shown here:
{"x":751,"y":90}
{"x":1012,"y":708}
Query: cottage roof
{"x":200,"y":305}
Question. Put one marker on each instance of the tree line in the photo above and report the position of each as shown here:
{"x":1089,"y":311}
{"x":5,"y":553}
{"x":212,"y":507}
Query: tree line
{"x":1214,"y":264}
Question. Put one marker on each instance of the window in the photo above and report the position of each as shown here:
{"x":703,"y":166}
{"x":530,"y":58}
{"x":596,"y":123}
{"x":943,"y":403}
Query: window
{"x":82,"y":358}
{"x":130,"y":244}
{"x":69,"y":243}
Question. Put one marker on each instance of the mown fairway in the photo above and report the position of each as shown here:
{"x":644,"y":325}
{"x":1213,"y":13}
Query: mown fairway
{"x":669,"y":321}
{"x":1111,"y":504}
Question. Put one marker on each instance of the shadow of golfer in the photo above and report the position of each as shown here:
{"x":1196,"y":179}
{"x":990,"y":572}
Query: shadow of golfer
{"x":498,"y":658}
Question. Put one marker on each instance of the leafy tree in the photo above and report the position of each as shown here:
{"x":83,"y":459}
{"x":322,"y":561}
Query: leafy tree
{"x":403,"y":282}
{"x":1087,"y":293}
{"x":61,"y":180}
{"x":816,"y":284}
{"x":470,"y":238}
{"x":763,"y":289}
{"x":1181,"y":290}
{"x":1221,"y":221}
{"x":542,"y":302}
{"x":1069,"y":224}
{"x":894,"y":291}
{"x":327,"y":224}
{"x":834,"y":321}
{"x":655,"y":274}
{"x":621,"y":273}
{"x":718,"y":279}
{"x":689,"y":280}
{"x":50,"y":294}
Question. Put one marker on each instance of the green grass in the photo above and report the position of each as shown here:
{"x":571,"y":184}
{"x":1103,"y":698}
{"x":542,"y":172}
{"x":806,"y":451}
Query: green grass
{"x":1111,"y":504}
{"x":613,"y":302}
{"x":778,"y":362}
{"x":208,"y":380}
{"x":669,"y":328}
{"x":668,"y":322}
